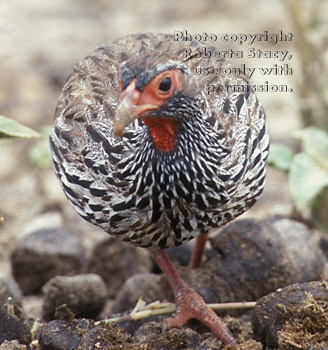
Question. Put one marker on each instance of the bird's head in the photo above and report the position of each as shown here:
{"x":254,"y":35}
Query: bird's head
{"x":158,"y":89}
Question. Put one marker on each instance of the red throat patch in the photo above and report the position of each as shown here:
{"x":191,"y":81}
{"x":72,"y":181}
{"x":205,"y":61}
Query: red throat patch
{"x":163,"y":131}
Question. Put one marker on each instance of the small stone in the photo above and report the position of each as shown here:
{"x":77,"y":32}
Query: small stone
{"x":116,"y":261}
{"x":210,"y":286}
{"x":145,"y":285}
{"x":84,"y":295}
{"x":297,"y":314}
{"x":304,"y":248}
{"x":44,"y":254}
{"x":9,"y":288}
{"x":255,"y":257}
{"x":180,"y":254}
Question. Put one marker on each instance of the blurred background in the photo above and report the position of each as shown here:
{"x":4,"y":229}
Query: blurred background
{"x":40,"y":41}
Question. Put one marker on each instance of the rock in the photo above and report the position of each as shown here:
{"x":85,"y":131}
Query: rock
{"x":206,"y":283}
{"x":84,"y":295}
{"x":295,"y":317}
{"x":180,"y":254}
{"x":14,"y":325}
{"x":324,"y":244}
{"x":44,"y":254}
{"x":304,"y":249}
{"x":145,"y":285}
{"x":116,"y":261}
{"x":9,"y":288}
{"x":255,"y":257}
{"x":43,"y":222}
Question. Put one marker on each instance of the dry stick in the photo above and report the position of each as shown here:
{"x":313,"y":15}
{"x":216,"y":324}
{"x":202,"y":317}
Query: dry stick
{"x":156,"y":308}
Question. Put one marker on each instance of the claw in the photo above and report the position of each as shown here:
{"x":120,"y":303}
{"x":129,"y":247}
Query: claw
{"x":189,"y":304}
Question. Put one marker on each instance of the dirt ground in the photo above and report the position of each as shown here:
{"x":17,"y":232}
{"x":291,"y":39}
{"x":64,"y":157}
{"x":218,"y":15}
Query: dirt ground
{"x":40,"y":43}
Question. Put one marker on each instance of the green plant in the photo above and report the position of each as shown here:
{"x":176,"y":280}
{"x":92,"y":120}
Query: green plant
{"x":39,"y":153}
{"x":308,"y":170}
{"x":9,"y":128}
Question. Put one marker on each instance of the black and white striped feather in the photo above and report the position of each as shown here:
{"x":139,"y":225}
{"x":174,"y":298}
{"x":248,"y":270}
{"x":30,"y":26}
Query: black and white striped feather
{"x":129,"y":188}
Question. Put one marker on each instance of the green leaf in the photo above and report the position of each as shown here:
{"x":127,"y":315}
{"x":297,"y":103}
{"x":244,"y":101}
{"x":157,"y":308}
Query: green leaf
{"x":306,"y":179}
{"x":280,"y":156}
{"x":11,"y":128}
{"x":315,"y":143}
{"x":40,"y":155}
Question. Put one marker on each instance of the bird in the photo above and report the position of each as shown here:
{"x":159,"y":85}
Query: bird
{"x":144,"y":150}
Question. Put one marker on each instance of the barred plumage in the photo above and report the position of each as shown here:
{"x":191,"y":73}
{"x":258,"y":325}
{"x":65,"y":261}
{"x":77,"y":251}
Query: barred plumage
{"x":128,"y":187}
{"x":145,"y":152}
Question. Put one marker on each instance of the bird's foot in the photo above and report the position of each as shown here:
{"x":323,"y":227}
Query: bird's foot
{"x":191,"y":305}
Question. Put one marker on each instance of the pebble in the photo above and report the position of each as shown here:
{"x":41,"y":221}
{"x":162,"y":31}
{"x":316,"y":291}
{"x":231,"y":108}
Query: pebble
{"x":116,"y":261}
{"x":146,"y":285}
{"x":255,"y":257}
{"x":9,"y":288}
{"x":44,"y":254}
{"x":180,"y":254}
{"x":84,"y":295}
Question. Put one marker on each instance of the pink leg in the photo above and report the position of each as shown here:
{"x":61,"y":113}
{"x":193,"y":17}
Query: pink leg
{"x":189,"y":303}
{"x":197,"y":253}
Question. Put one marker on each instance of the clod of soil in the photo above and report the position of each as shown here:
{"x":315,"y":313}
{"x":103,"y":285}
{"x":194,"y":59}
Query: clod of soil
{"x":9,"y":288}
{"x":85,"y":295}
{"x":107,"y":261}
{"x":249,"y":259}
{"x":68,"y":333}
{"x":295,"y":317}
{"x":64,"y":333}
{"x":14,"y":325}
{"x":152,"y":287}
{"x":151,"y":334}
{"x":44,"y":254}
{"x":255,"y":257}
{"x":12,"y":345}
{"x":145,"y":285}
{"x":248,"y":345}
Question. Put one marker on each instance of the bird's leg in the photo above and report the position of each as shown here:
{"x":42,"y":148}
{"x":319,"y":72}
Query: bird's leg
{"x":197,"y":253}
{"x":189,"y":304}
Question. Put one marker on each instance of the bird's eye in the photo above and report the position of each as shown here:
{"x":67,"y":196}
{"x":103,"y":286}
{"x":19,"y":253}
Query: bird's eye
{"x":165,"y":84}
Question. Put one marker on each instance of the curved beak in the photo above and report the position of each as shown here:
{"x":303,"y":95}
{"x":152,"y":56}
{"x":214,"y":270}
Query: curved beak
{"x":129,"y":109}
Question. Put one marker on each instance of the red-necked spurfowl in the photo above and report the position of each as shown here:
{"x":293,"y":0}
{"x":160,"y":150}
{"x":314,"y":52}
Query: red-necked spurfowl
{"x":144,"y":150}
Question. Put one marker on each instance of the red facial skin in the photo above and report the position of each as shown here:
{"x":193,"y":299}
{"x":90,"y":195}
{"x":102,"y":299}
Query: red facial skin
{"x":163,"y":130}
